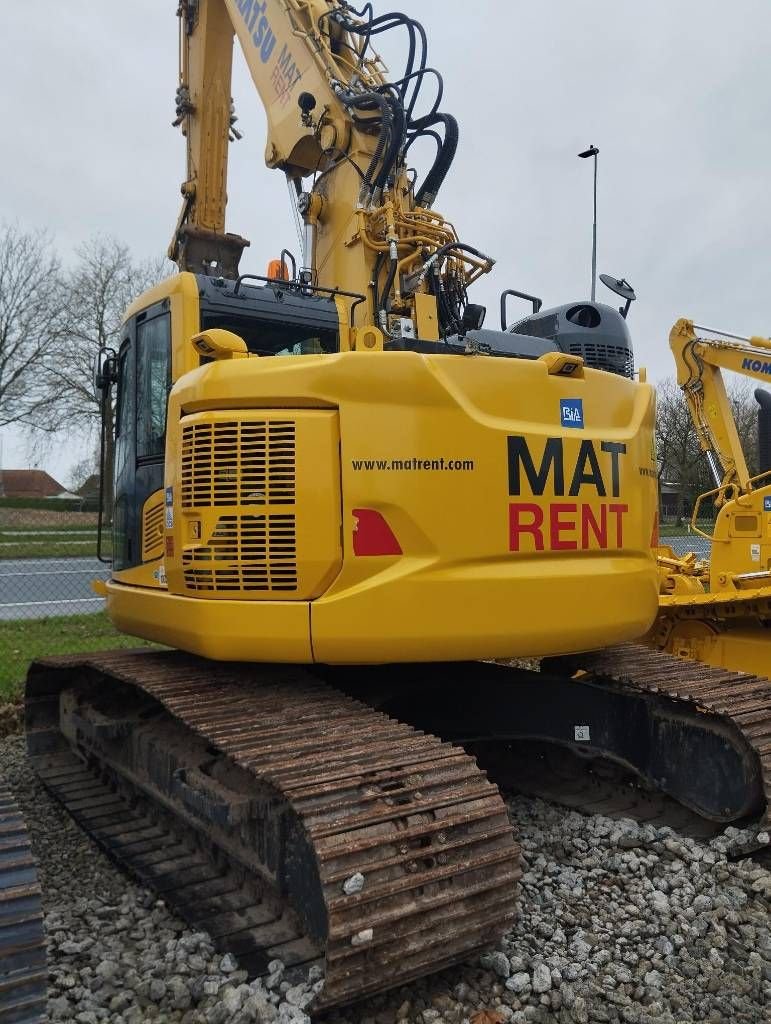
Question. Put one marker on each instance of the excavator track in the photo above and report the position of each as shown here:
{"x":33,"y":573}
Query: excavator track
{"x":618,"y":731}
{"x":292,"y":821}
{"x":23,"y":969}
{"x":739,"y":704}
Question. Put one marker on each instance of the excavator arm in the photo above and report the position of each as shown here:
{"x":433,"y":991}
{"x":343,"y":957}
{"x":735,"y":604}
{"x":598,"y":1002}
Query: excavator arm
{"x":204,"y":110}
{"x":332,"y":118}
{"x":700,"y":362}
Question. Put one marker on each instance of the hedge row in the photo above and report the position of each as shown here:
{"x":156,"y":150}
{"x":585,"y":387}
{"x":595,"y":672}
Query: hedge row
{"x":51,"y":504}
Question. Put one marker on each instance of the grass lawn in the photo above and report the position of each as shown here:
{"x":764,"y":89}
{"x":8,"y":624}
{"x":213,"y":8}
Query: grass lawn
{"x":23,"y":640}
{"x":51,"y":542}
{"x":48,"y":549}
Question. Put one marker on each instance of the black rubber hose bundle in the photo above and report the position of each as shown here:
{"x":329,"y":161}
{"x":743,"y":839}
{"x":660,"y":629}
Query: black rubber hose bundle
{"x":367,"y":101}
{"x":444,"y":158}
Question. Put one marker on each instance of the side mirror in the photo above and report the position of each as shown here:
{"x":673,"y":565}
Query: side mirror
{"x":105,"y":372}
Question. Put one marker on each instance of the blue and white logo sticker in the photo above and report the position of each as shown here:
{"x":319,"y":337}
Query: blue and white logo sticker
{"x":169,"y":508}
{"x":572,"y":412}
{"x":767,"y":504}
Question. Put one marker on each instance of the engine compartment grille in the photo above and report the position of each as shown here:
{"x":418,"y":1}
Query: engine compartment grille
{"x":256,"y":505}
{"x":152,"y":529}
{"x":238,"y":462}
{"x":600,"y":356}
{"x":245,"y":552}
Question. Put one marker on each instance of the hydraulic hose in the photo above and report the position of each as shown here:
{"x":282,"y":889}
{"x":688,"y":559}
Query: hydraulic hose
{"x":435,"y":177}
{"x":398,"y":135}
{"x":389,"y":285}
{"x":365,"y":101}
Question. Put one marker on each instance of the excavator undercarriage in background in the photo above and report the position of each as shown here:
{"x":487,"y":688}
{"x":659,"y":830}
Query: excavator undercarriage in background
{"x":334,"y":494}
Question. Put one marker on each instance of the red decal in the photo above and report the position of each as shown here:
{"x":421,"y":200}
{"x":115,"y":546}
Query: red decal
{"x":588,"y":522}
{"x":169,"y":547}
{"x":372,"y":535}
{"x":517,"y":526}
{"x":565,"y":526}
{"x":655,"y":534}
{"x":559,"y":526}
{"x":619,"y":511}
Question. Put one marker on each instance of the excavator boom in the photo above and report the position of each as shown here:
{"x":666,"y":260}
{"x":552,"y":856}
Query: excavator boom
{"x":369,"y":227}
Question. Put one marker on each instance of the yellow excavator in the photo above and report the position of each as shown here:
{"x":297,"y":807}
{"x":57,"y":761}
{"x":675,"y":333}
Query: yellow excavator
{"x":335,"y":493}
{"x":719,"y":611}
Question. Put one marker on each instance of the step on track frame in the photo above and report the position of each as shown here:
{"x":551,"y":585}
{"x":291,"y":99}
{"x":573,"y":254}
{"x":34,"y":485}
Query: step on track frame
{"x":338,"y":789}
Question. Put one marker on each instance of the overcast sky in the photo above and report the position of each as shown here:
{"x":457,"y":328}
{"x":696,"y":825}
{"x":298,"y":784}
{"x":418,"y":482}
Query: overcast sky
{"x":676,"y":94}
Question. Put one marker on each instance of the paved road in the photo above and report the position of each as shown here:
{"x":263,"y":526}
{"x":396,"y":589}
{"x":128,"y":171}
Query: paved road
{"x":34,"y":588}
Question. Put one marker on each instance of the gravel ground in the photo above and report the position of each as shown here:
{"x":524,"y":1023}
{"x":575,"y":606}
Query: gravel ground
{"x":618,"y":922}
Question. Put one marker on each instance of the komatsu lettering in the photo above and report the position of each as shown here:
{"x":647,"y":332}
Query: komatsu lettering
{"x":566,"y":525}
{"x":263,"y":37}
{"x":756,"y":366}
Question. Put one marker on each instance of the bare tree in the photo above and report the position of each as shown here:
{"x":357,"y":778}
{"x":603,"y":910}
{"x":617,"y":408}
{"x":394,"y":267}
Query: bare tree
{"x":681,"y":460}
{"x":741,"y":393}
{"x":30,"y":320}
{"x":82,"y":472}
{"x":95,"y":294}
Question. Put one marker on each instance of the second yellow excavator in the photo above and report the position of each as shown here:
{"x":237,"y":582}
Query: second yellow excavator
{"x":719,"y":611}
{"x":335,"y":492}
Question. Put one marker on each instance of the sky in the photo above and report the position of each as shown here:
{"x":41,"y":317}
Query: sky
{"x":676,"y":95}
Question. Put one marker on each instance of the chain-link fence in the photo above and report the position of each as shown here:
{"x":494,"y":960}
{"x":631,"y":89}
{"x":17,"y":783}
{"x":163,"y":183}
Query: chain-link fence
{"x":48,"y":558}
{"x":677,"y":533}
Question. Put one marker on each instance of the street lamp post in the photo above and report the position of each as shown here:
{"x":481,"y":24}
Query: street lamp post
{"x":593,"y":152}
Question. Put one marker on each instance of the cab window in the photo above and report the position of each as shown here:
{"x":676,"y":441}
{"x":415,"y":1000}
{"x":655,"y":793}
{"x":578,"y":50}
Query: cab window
{"x":273,"y":338}
{"x":153,"y":382}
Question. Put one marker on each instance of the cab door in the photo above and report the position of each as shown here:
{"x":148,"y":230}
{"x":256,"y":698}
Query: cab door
{"x":144,"y":379}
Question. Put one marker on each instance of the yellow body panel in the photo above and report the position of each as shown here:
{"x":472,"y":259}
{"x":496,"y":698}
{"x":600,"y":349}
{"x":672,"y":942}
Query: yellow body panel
{"x":737,"y":646}
{"x":741,"y":542}
{"x":223,"y":630}
{"x":506,"y":533}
